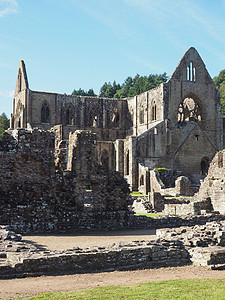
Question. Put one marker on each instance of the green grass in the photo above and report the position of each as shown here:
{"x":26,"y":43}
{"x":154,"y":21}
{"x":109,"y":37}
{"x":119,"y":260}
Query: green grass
{"x":160,"y":170}
{"x":134,"y":194}
{"x":151,"y":215}
{"x":173,"y":289}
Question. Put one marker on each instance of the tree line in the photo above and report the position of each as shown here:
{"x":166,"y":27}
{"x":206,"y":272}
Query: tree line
{"x":220,"y":84}
{"x":129,"y":88}
{"x":140,"y":84}
{"x":4,"y":124}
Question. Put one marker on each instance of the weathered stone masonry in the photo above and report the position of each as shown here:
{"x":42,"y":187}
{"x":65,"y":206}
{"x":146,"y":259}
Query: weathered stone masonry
{"x":37,"y":196}
{"x":178,"y":125}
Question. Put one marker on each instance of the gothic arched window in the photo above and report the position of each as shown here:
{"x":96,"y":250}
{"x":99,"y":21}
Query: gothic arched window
{"x":142,"y":116}
{"x":154,"y":112}
{"x":115,"y":119}
{"x":45,"y":113}
{"x":189,"y":110}
{"x":70,"y":115}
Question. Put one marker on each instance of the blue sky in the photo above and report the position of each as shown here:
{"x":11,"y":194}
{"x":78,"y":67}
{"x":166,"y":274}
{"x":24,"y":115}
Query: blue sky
{"x":69,"y":44}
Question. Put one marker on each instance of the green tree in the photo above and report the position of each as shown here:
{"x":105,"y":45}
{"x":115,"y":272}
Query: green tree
{"x":81,"y":92}
{"x":220,"y":84}
{"x":222,"y":99}
{"x":4,"y":124}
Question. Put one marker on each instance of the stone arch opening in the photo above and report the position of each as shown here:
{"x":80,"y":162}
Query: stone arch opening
{"x":45,"y":113}
{"x":204,"y":166}
{"x":154,"y":112}
{"x":105,"y":159}
{"x":115,"y":119}
{"x":189,"y":110}
{"x":70,"y":119}
{"x":191,"y":72}
{"x":142,"y":116}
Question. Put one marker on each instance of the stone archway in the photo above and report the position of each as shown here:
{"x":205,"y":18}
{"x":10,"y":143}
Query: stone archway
{"x":204,"y":166}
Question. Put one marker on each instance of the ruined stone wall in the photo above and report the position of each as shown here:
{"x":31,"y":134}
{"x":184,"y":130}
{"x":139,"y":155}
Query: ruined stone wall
{"x":35,"y":193}
{"x":119,"y":257}
{"x":146,"y":109}
{"x":213,"y":187}
{"x":108,"y":118}
{"x":195,"y":125}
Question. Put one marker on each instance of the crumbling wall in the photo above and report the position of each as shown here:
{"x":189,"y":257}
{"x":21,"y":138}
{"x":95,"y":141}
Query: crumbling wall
{"x":213,"y":187}
{"x":37,"y":195}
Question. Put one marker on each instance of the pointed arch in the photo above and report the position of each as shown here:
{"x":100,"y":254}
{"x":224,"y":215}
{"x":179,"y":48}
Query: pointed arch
{"x":115,"y":119}
{"x":142,"y":115}
{"x":45,"y":112}
{"x":70,"y":115}
{"x":189,"y":110}
{"x":153,"y":116}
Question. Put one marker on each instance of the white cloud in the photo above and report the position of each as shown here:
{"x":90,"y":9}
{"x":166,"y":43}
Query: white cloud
{"x":8,"y":7}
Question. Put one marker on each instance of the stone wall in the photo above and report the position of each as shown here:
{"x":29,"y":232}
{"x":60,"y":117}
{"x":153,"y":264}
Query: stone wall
{"x":20,"y":259}
{"x":46,"y":190}
{"x":213,"y":187}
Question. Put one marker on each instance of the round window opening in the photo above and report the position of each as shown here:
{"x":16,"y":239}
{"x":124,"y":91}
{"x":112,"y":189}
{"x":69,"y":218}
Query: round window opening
{"x":189,"y":110}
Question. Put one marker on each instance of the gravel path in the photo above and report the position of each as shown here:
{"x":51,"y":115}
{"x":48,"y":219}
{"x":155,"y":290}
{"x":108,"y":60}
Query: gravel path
{"x":15,"y":288}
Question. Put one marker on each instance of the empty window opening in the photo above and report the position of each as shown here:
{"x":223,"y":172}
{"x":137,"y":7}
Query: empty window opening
{"x":188,"y":73}
{"x":142,"y":180}
{"x":142,"y":116}
{"x":154,"y":112}
{"x":191,"y":72}
{"x":189,"y":110}
{"x":70,"y":120}
{"x":204,"y":166}
{"x":45,"y":113}
{"x":95,"y":121}
{"x":115,"y":119}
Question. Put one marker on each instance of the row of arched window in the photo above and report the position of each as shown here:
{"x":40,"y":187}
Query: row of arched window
{"x":153,"y":114}
{"x":69,"y":116}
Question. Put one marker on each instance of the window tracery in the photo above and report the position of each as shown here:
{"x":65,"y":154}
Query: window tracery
{"x":189,"y":110}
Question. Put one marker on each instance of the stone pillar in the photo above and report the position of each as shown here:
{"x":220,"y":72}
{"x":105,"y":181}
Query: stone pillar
{"x":157,"y":201}
{"x":133,"y":168}
{"x":119,"y":145}
{"x":182,"y":185}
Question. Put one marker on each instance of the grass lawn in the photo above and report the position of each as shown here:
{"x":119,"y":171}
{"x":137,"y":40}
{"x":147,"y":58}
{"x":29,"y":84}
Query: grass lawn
{"x":135,"y":194}
{"x":151,"y":215}
{"x":195,"y":289}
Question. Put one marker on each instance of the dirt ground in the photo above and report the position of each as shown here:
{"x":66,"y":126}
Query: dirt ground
{"x":24,"y":287}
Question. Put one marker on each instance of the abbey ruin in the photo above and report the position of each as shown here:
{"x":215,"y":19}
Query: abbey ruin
{"x":68,"y":163}
{"x":176,"y":127}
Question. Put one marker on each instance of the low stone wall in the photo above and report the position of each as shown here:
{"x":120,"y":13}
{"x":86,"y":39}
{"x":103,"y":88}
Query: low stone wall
{"x":135,"y":255}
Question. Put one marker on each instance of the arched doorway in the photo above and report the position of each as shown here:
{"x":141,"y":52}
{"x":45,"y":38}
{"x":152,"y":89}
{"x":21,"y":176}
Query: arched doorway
{"x":105,"y":159}
{"x":204,"y":166}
